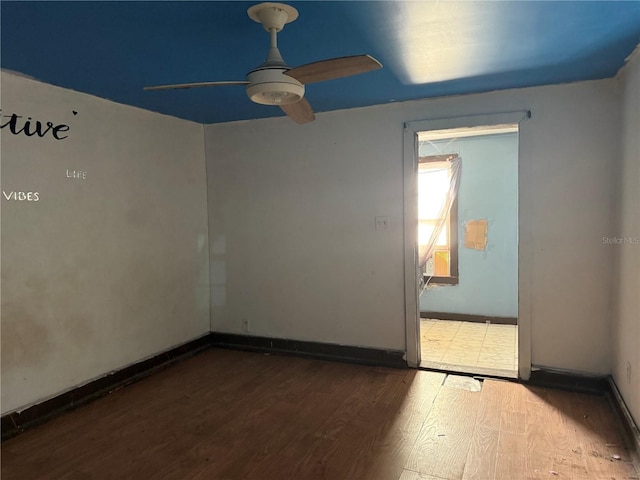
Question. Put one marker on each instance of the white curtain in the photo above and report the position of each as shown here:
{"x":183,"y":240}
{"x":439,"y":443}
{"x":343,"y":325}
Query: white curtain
{"x":446,"y":201}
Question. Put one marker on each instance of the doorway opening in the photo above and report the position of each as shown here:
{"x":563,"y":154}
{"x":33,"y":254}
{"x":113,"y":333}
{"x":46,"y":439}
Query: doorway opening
{"x":467,"y":259}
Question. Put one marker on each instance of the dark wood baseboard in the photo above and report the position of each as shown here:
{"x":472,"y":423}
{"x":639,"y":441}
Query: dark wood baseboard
{"x":572,"y":381}
{"x":630,"y":428}
{"x":464,"y":317}
{"x":16,"y":422}
{"x":323,"y":351}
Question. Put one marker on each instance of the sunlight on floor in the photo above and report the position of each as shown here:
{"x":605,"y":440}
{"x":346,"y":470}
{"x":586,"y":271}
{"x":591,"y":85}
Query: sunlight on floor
{"x":481,"y":348}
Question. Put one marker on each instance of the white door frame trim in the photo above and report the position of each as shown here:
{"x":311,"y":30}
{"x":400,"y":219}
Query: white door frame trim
{"x":410,"y":156}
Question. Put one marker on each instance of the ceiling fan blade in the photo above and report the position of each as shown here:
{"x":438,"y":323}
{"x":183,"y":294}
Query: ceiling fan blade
{"x":196,"y":85}
{"x":334,"y":68}
{"x":300,"y":112}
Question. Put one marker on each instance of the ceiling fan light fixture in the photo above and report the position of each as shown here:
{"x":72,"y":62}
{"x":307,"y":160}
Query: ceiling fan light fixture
{"x":274,"y":82}
{"x":273,"y":87}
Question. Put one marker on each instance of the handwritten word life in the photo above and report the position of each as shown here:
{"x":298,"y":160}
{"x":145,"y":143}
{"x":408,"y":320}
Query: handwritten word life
{"x":18,"y":125}
{"x":77,"y":174}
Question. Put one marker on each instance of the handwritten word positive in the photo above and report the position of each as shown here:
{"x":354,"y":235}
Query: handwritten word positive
{"x":17,"y":125}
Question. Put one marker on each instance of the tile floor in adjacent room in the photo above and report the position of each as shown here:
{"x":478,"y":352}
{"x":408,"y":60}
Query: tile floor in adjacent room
{"x":470,"y":347}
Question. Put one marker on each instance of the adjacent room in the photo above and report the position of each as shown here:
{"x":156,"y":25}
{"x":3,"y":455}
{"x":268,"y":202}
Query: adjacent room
{"x":411,"y":253}
{"x":469,"y":288}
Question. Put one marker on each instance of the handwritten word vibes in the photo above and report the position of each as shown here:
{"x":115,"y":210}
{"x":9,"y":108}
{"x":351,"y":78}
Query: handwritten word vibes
{"x":21,"y":196}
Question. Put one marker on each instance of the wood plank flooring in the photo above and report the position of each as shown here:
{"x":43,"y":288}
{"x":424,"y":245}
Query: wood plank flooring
{"x":228,"y":415}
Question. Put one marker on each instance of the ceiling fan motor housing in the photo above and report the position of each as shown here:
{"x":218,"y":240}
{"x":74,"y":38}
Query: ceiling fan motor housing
{"x":270,"y":86}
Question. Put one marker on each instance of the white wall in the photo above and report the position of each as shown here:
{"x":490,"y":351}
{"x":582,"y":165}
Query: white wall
{"x":102,"y":272}
{"x":488,"y":279}
{"x":294,"y":248}
{"x":626,"y":285}
{"x":295,"y":207}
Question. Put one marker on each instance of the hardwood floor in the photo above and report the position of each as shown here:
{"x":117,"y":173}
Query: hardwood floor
{"x":228,"y":415}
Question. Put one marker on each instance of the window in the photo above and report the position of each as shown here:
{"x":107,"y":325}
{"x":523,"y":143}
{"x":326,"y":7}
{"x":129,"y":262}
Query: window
{"x":434,"y":186}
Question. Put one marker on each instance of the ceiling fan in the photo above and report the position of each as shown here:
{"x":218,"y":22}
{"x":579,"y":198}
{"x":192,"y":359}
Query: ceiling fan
{"x":274,"y":82}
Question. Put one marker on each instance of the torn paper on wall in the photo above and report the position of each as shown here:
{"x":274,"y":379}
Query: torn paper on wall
{"x":475,"y":235}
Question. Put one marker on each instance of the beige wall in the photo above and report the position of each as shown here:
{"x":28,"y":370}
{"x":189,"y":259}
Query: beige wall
{"x":626,"y":285}
{"x":102,"y":272}
{"x":294,"y":246}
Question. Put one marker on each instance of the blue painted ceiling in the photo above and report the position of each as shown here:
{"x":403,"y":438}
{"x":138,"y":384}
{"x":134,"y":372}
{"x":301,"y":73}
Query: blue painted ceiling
{"x":427,"y":48}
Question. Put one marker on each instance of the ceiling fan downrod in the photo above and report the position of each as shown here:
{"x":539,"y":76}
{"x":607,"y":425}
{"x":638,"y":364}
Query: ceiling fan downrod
{"x":268,"y":83}
{"x":274,"y":58}
{"x":273,"y":17}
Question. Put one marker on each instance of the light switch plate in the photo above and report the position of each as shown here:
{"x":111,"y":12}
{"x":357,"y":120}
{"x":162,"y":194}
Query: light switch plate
{"x":382,"y":223}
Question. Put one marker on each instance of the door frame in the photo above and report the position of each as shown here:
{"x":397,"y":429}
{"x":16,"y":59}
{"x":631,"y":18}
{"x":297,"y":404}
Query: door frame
{"x":410,"y":185}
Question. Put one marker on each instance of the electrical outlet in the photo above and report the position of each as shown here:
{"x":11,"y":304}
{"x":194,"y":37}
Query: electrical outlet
{"x":629,"y":372}
{"x":245,"y":325}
